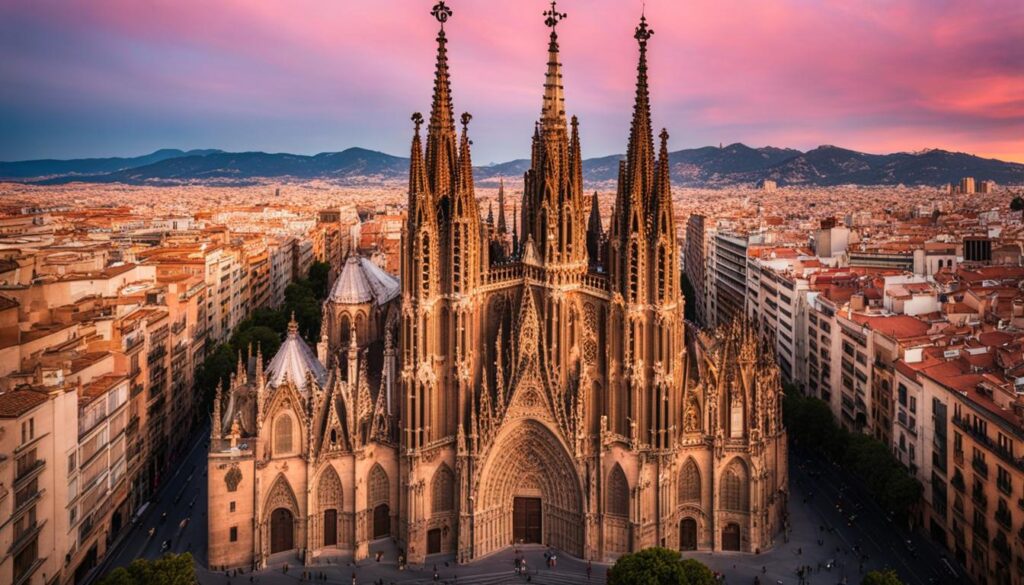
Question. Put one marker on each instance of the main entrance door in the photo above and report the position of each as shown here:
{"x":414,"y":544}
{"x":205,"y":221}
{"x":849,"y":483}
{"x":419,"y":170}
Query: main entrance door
{"x":281,"y":531}
{"x":433,"y":541}
{"x":526,"y":520}
{"x":330,"y":527}
{"x":688,"y":534}
{"x":381,"y":521}
{"x":731,"y":537}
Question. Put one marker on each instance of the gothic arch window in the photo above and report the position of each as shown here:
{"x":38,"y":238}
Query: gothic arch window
{"x":345,"y":329}
{"x":378,"y":487}
{"x":689,"y":483}
{"x":329,"y":490}
{"x":735,"y":488}
{"x":442,"y":490}
{"x":283,"y":443}
{"x":618,"y":493}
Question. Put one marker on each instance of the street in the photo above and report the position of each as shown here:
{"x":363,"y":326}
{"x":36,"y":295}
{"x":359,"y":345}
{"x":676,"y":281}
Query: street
{"x":183,"y":500}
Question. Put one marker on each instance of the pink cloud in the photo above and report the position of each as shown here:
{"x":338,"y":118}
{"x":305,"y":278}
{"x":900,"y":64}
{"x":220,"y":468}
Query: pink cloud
{"x":876,"y":74}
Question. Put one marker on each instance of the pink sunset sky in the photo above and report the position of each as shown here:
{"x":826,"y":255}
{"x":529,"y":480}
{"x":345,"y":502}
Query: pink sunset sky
{"x":122,"y":77}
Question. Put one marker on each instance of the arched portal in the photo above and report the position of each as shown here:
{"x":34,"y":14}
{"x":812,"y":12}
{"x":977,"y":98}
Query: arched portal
{"x":731,"y":537}
{"x":529,"y":467}
{"x":282,"y":530}
{"x":688,"y":534}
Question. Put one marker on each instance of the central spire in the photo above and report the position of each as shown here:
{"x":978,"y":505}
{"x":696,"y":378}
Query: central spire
{"x":441,"y":150}
{"x":640,"y":152}
{"x":553,"y":111}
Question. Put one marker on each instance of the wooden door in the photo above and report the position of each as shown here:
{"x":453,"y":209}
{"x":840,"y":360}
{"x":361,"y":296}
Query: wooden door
{"x":434,"y":541}
{"x":381,"y":521}
{"x":731,"y":537}
{"x":688,"y":534}
{"x":330,"y":527}
{"x":282,"y":531}
{"x":526,"y":519}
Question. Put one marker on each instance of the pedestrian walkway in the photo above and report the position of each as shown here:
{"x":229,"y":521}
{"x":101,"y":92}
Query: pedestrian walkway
{"x":496,"y":569}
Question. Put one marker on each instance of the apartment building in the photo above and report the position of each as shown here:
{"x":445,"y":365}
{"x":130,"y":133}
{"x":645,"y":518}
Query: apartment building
{"x":694,"y":258}
{"x":730,"y":275}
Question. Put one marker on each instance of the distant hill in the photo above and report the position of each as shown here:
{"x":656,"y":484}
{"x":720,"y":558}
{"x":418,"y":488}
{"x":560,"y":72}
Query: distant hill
{"x":36,"y":169}
{"x":735,"y":164}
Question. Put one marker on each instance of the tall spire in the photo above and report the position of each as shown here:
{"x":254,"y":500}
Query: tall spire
{"x":553,"y":111}
{"x":501,"y":207}
{"x":640,"y":153}
{"x":441,"y":153}
{"x":417,"y":172}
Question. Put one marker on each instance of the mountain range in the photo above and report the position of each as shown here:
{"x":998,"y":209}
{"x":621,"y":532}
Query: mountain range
{"x":735,"y":164}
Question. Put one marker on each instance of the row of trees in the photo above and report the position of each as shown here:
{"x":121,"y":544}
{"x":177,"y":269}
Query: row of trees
{"x":170,"y":570}
{"x":266,"y":328}
{"x":810,"y":425}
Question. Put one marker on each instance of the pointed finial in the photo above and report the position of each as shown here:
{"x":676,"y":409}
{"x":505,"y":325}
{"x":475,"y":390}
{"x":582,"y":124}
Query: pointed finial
{"x":441,"y":12}
{"x":643,"y":32}
{"x":553,"y":16}
{"x":465,"y":119}
{"x":293,"y":325}
{"x":417,"y":120}
{"x":663,"y":136}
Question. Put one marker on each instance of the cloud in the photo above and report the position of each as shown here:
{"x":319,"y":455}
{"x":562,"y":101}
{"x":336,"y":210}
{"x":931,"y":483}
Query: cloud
{"x":313,"y":75}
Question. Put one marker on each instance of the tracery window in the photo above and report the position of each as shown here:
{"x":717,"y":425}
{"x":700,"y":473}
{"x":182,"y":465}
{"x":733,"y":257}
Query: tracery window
{"x":618,"y":493}
{"x":283,"y":435}
{"x":735,"y":491}
{"x":378,"y":486}
{"x":442,"y":490}
{"x":689,"y":483}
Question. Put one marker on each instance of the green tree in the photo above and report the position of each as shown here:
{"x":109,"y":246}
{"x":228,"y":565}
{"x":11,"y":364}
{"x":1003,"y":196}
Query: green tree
{"x":319,"y":276}
{"x":171,"y":569}
{"x":259,"y":336}
{"x":1017,"y":203}
{"x":658,"y":566}
{"x":884,"y":577}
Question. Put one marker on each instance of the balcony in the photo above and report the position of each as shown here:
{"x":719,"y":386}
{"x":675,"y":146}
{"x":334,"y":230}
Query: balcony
{"x":989,"y":444}
{"x":25,"y":537}
{"x":979,"y":498}
{"x":27,"y":471}
{"x":958,"y":481}
{"x":1004,"y":518}
{"x":1004,"y":486}
{"x":958,"y":457}
{"x":980,"y":467}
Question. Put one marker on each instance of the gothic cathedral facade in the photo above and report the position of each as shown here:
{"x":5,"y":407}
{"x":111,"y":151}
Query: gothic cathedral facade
{"x":543,"y":387}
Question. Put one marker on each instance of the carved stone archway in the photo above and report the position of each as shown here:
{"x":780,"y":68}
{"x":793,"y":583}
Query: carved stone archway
{"x":281,"y":507}
{"x":528,"y":461}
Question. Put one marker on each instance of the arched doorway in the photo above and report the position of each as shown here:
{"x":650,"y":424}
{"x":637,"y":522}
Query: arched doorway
{"x":688,"y":534}
{"x":381,"y":521}
{"x":282,"y":531}
{"x":330,"y":527}
{"x":529,"y":485}
{"x":731,"y":537}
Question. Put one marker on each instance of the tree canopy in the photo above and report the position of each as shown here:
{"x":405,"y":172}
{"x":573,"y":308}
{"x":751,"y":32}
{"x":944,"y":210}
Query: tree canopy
{"x":169,"y":570}
{"x":659,"y":566}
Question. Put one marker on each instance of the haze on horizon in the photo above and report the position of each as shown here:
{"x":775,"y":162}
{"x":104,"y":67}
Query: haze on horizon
{"x":87,"y":78}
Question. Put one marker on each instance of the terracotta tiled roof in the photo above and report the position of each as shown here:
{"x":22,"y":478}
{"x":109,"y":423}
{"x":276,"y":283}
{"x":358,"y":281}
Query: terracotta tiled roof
{"x":17,"y":402}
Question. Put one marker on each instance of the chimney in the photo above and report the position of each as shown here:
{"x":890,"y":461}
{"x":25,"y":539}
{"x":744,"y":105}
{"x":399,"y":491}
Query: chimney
{"x":857,"y":302}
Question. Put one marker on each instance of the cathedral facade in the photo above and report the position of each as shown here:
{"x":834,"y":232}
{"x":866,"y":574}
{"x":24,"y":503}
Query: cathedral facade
{"x":533,"y":386}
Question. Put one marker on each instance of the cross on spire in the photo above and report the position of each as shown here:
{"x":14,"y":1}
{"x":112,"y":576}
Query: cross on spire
{"x":553,"y":16}
{"x":441,"y":12}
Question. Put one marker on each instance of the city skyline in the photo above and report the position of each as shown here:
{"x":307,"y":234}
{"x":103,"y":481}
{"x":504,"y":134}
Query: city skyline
{"x":111,"y":78}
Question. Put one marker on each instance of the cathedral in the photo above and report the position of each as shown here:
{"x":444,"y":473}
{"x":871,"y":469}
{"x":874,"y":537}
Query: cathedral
{"x":525,"y":380}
